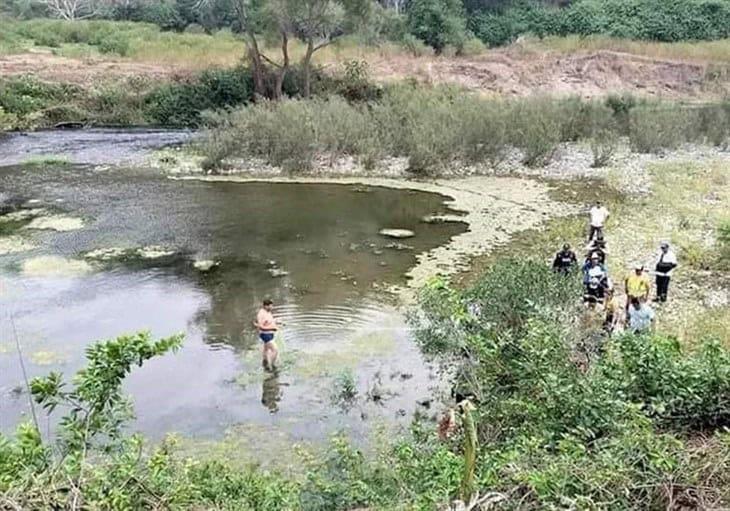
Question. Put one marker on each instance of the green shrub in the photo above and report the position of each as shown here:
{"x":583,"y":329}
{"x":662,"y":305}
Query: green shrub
{"x":657,"y":20}
{"x":415,"y":46}
{"x":181,"y":104}
{"x":114,"y":44}
{"x":653,"y":129}
{"x":536,"y":129}
{"x":438,"y":23}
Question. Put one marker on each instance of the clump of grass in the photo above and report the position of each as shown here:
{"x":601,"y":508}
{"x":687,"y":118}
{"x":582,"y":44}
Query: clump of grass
{"x":344,"y":388}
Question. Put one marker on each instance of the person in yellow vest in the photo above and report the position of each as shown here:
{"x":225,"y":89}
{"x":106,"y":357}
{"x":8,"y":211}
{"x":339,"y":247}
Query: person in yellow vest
{"x":638,"y":285}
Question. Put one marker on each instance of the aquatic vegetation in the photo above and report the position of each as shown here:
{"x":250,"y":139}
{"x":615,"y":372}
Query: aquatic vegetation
{"x":45,"y":358}
{"x":57,"y":222}
{"x":344,"y":388}
{"x":54,"y":266}
{"x":49,"y":160}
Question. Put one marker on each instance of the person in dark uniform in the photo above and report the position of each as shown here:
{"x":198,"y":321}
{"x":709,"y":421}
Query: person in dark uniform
{"x":565,"y":260}
{"x":666,"y":262}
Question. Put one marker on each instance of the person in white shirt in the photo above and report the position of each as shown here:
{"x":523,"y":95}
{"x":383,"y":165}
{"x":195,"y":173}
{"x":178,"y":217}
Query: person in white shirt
{"x":598,"y":214}
{"x":665,"y":265}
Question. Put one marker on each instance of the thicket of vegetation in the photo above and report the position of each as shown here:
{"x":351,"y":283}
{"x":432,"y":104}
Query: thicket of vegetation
{"x":435,"y":128}
{"x":655,"y":20}
{"x":564,"y":417}
{"x":440,"y":24}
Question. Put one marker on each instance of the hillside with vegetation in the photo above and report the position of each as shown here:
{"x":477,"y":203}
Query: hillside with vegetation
{"x":623,"y":100}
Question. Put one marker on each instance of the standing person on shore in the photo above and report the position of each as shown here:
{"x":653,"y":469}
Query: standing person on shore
{"x":267,"y":327}
{"x":595,"y":279}
{"x":640,"y":317}
{"x":599,"y":215}
{"x":637,"y":286}
{"x":565,"y":260}
{"x":665,"y":265}
{"x":598,"y":246}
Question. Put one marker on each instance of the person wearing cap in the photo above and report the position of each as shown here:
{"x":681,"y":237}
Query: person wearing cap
{"x":665,"y":265}
{"x":565,"y":260}
{"x":595,"y":279}
{"x":637,"y":285}
{"x":598,"y":246}
{"x":598,"y":214}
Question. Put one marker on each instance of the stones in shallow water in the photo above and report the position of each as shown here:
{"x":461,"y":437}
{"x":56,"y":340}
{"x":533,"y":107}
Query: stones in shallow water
{"x":154,"y":252}
{"x":14,"y":244}
{"x":433,"y":219}
{"x":397,"y":233}
{"x":60,"y":223}
{"x":54,"y":266}
{"x":398,"y":246}
{"x":118,"y":253}
{"x":278,"y":272}
{"x":205,"y":265}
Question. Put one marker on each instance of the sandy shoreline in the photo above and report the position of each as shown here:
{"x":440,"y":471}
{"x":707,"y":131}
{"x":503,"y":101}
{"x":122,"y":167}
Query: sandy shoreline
{"x":495,"y":208}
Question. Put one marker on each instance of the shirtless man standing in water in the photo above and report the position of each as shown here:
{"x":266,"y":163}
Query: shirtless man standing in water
{"x":266,"y":326}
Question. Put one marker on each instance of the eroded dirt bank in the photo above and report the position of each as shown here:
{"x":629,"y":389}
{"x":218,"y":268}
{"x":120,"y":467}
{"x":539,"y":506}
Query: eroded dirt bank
{"x":512,"y":71}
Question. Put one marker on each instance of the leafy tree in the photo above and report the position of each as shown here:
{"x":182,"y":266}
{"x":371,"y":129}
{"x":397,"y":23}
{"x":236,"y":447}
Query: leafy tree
{"x":438,"y":23}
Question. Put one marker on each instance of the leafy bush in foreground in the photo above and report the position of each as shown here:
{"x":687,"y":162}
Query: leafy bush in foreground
{"x":609,"y":433}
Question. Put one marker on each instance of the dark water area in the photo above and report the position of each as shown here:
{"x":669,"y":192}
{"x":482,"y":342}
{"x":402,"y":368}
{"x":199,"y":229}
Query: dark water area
{"x":313,"y":248}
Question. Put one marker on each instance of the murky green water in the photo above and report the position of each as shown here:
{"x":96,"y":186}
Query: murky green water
{"x":314,"y":249}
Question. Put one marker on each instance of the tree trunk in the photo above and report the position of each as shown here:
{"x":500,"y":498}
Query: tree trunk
{"x":257,"y":67}
{"x":279,"y":88}
{"x":307,"y":69}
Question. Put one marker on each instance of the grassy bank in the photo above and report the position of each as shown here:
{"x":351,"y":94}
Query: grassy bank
{"x":434,"y":128}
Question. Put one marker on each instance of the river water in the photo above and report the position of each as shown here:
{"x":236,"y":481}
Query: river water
{"x":313,"y":248}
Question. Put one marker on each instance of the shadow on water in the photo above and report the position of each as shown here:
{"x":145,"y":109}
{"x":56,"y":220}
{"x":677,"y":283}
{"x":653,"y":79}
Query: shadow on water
{"x":315,"y":249}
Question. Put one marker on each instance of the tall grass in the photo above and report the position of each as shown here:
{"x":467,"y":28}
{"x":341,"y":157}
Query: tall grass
{"x":441,"y":127}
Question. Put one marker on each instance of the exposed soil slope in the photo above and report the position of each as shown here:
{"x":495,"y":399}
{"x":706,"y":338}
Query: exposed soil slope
{"x":513,"y":71}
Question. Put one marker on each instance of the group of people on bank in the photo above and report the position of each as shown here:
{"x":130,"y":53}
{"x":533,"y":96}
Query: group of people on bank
{"x":599,"y":289}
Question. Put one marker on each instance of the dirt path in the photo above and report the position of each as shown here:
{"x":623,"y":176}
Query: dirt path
{"x":511,"y":71}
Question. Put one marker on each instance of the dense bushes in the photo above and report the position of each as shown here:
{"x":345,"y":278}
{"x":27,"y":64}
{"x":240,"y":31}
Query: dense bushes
{"x":180,"y":104}
{"x":657,"y":20}
{"x":569,"y":416}
{"x":435,"y":128}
